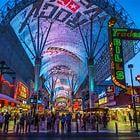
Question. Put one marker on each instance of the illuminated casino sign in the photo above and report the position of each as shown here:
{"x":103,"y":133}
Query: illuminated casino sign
{"x":110,"y":89}
{"x":117,"y":35}
{"x":102,"y":95}
{"x":103,"y":101}
{"x":22,"y":91}
{"x":102,"y":98}
{"x":77,"y":104}
{"x":127,"y":34}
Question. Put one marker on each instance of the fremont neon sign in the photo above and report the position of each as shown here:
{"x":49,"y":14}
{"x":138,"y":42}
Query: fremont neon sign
{"x":117,"y":35}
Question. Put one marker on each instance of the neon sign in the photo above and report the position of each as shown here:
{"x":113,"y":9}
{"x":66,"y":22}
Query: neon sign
{"x":117,"y":35}
{"x":110,"y":89}
{"x":77,"y":104}
{"x":103,"y":101}
{"x":102,"y":95}
{"x":127,"y":34}
{"x":22,"y":91}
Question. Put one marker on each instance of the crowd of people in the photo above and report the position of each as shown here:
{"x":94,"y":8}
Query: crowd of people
{"x":25,"y":122}
{"x":51,"y":122}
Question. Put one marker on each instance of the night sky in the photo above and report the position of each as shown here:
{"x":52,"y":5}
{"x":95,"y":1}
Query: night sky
{"x":133,"y":8}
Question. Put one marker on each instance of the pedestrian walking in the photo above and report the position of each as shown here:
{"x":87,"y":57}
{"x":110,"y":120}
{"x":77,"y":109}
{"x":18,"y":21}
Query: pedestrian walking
{"x":130,"y":119}
{"x":21,"y":123}
{"x":1,"y":121}
{"x":57,"y":120}
{"x":36,"y":121}
{"x":68,"y":122}
{"x":43,"y":119}
{"x":6,"y":122}
{"x":49,"y":122}
{"x":16,"y":117}
{"x":104,"y":120}
{"x":63,"y":119}
{"x":28,"y":123}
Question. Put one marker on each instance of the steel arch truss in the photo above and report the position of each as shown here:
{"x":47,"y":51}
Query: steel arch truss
{"x":97,"y":8}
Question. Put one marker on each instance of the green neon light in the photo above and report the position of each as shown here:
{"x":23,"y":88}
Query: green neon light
{"x":126,"y":33}
{"x":118,"y":58}
{"x":118,"y":49}
{"x":120,"y":75}
{"x":118,"y":30}
{"x":136,"y":35}
{"x":118,"y":35}
{"x":116,"y":42}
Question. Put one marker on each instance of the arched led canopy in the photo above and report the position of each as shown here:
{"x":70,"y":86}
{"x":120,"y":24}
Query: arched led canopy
{"x":64,"y":37}
{"x":62,"y":89}
{"x":64,"y":43}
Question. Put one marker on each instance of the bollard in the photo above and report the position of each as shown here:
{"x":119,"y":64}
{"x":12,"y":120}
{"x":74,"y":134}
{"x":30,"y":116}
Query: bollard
{"x":77,"y":127}
{"x":57,"y":128}
{"x":97,"y":128}
{"x":116,"y":128}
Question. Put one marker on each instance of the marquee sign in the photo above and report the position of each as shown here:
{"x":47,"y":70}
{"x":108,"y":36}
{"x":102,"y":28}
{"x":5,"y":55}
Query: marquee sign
{"x":77,"y":104}
{"x":117,"y":35}
{"x":22,"y":92}
{"x":110,"y":89}
{"x":103,"y":101}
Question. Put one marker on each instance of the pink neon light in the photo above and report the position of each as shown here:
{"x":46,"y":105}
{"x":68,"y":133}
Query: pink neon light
{"x":70,"y":4}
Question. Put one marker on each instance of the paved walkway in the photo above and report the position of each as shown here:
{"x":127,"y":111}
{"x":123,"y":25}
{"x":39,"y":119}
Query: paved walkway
{"x":122,"y":128}
{"x":73,"y":136}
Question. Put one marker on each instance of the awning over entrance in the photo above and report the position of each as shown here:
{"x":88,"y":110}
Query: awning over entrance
{"x":5,"y":97}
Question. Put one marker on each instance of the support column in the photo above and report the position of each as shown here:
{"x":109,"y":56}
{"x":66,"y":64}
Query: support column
{"x":37,"y":74}
{"x":52,"y":96}
{"x":37,"y":78}
{"x":72,"y":101}
{"x":0,"y":83}
{"x":91,"y":80}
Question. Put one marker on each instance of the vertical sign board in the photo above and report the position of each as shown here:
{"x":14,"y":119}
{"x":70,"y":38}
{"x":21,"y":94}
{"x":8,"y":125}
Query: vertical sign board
{"x":117,"y":62}
{"x":117,"y":35}
{"x":22,"y":91}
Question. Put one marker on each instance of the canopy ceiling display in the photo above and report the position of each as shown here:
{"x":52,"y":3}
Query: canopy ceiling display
{"x":64,"y":54}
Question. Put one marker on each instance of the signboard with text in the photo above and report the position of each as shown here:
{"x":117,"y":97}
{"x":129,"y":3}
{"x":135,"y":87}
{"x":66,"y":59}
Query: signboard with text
{"x":77,"y":104}
{"x":22,"y":91}
{"x":117,"y":35}
{"x":110,"y":90}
